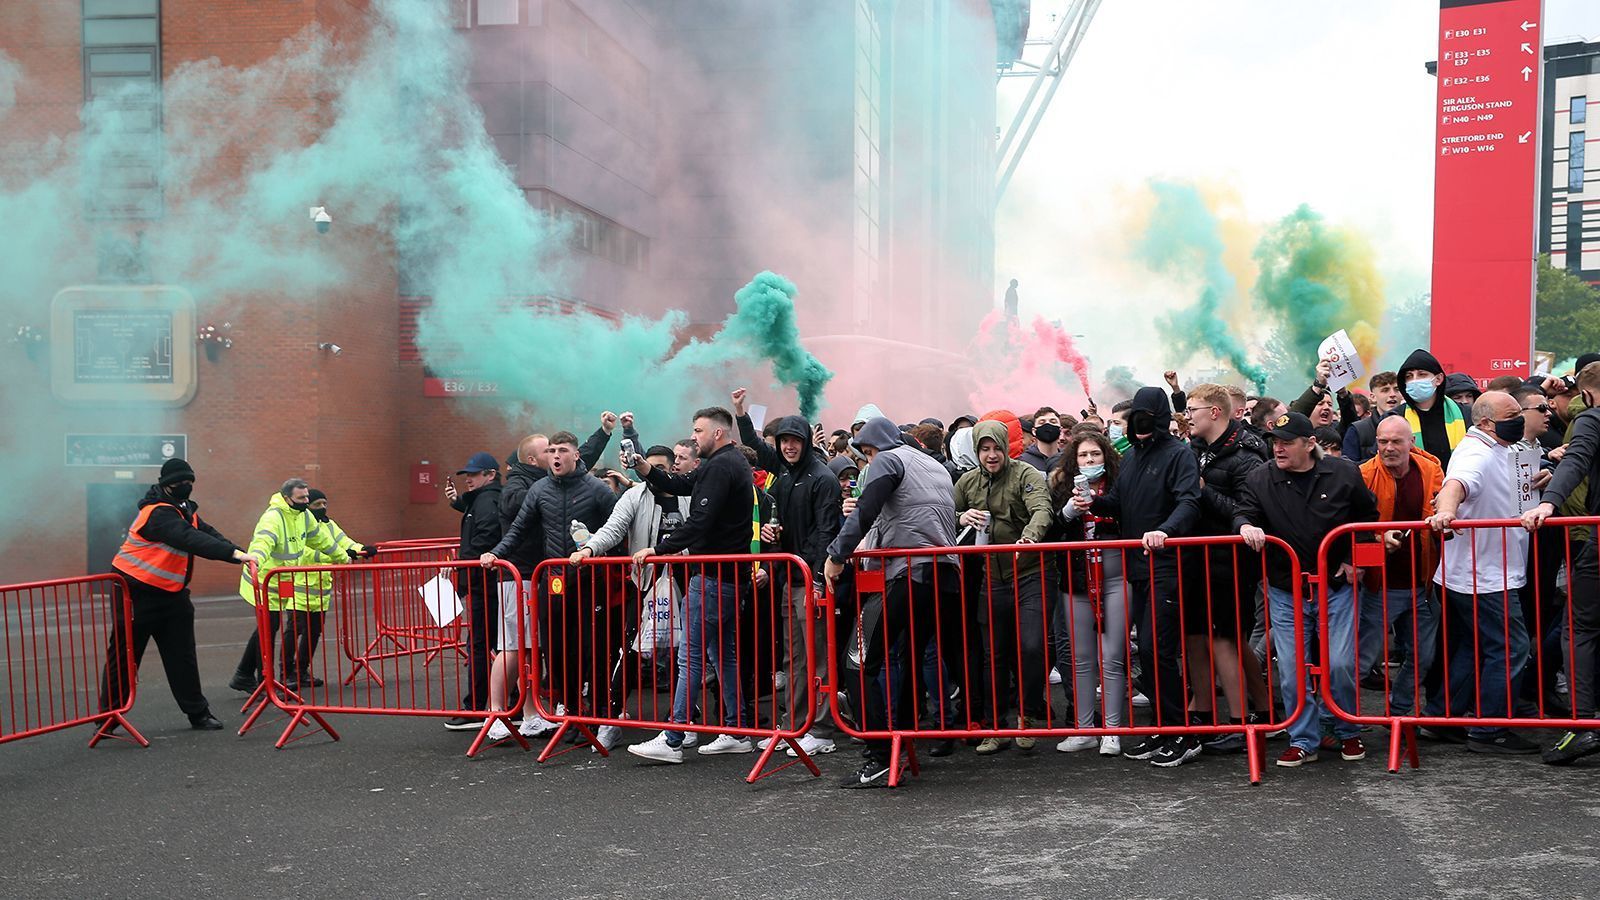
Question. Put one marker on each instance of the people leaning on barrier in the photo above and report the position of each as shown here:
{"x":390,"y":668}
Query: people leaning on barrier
{"x":284,"y":536}
{"x":643,"y":516}
{"x":807,"y":504}
{"x":1095,"y":588}
{"x":721,"y":492}
{"x":1398,"y":597}
{"x":1220,"y":582}
{"x":1299,"y":498}
{"x":476,"y":493}
{"x":1156,"y":496}
{"x":907,"y":498}
{"x":1579,"y":465}
{"x":545,"y":523}
{"x":1487,"y":640}
{"x":1010,"y":501}
{"x":157,"y":560}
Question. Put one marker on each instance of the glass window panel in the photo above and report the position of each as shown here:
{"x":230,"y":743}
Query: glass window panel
{"x":497,"y":12}
{"x":101,"y":32}
{"x":122,"y":63}
{"x":93,"y":8}
{"x":1580,"y":110}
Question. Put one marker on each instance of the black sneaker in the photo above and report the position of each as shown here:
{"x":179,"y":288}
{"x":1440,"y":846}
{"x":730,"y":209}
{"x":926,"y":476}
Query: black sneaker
{"x":1446,"y":734}
{"x":1506,"y":742}
{"x":871,"y":774}
{"x":1145,"y":747}
{"x":943,"y":748}
{"x":1175,"y":752}
{"x":1224,"y":743}
{"x":244,"y":682}
{"x":462,"y":723}
{"x":1573,"y":745}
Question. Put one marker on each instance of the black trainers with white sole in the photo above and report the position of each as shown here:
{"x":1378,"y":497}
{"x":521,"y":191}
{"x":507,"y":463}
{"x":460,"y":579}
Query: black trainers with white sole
{"x":1175,"y":752}
{"x":871,"y":774}
{"x":1145,"y":747}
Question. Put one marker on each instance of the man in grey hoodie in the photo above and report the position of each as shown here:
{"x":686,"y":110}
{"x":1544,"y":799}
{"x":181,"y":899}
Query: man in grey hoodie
{"x":908,"y":497}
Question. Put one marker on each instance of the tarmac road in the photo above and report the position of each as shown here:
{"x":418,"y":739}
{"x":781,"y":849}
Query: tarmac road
{"x":396,"y":809}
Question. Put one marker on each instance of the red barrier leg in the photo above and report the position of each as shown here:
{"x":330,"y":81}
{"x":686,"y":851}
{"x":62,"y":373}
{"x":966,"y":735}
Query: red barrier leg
{"x":483,"y":734}
{"x":1411,"y":746}
{"x":113,"y":723}
{"x":550,"y":752}
{"x":1253,"y":741}
{"x":257,"y":695}
{"x":894,"y":761}
{"x":1397,"y":740}
{"x":299,"y":720}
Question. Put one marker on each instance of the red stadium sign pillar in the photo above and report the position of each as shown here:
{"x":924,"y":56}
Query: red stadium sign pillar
{"x":1486,"y":169}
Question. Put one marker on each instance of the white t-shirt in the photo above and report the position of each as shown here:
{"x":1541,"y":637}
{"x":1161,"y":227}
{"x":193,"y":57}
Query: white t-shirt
{"x":1495,"y":559}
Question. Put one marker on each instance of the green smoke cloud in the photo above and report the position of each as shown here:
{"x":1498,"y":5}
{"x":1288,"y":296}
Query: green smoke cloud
{"x":1316,"y":279}
{"x":765,"y":321}
{"x":1183,"y":240}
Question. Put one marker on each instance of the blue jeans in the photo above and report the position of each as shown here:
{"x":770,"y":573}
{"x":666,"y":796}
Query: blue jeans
{"x":1306,"y":730}
{"x":719,"y":622}
{"x":1418,"y":658}
{"x":1481,"y":681}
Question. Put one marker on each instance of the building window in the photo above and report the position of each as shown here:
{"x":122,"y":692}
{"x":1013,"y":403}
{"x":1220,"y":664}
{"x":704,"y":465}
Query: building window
{"x":1580,"y":110}
{"x":1575,"y":162}
{"x":868,"y":159}
{"x":497,"y":12}
{"x":592,"y":233}
{"x":122,"y":95}
{"x":461,"y":13}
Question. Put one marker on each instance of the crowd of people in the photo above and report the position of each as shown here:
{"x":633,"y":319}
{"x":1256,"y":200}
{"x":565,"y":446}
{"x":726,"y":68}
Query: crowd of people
{"x":1154,"y":632}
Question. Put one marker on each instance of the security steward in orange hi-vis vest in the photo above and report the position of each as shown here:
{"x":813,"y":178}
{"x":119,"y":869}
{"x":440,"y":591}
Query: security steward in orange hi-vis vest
{"x":157,"y":559}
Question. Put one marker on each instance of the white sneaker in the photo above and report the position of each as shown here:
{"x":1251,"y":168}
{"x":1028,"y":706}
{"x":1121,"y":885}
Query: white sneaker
{"x":1140,"y":700}
{"x":1111,"y":745}
{"x":1079,"y":742}
{"x":658,"y":750}
{"x":764,"y":743}
{"x":780,"y":681}
{"x":1055,"y":676}
{"x":812,"y":745}
{"x":534,"y":726}
{"x":690,"y":738}
{"x":498,"y":731}
{"x":727,"y":743}
{"x":607,"y":736}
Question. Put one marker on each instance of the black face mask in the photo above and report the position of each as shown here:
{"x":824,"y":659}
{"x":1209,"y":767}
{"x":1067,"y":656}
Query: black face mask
{"x":180,"y":491}
{"x":321,"y":514}
{"x":300,"y":507}
{"x":1047,"y":433}
{"x":1511,"y":430}
{"x":1141,"y":422}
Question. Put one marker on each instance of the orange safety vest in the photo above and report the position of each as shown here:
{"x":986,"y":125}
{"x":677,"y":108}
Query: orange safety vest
{"x":158,"y":565}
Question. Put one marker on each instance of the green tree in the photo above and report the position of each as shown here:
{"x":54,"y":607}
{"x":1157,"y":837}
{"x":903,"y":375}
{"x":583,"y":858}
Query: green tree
{"x":1567,"y":320}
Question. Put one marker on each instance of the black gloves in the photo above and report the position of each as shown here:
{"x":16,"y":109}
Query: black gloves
{"x":365,"y":553}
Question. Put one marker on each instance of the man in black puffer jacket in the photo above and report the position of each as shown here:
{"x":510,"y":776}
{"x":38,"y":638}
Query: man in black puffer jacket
{"x":1219,"y":583}
{"x":544,"y":522}
{"x":1156,"y":496}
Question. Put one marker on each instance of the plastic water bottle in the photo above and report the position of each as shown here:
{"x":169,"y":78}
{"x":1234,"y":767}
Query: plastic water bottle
{"x":580,"y":533}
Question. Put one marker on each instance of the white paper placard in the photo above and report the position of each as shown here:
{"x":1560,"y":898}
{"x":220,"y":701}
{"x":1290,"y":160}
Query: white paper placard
{"x":758,"y":416}
{"x":1347,"y":367}
{"x":439,"y":596}
{"x":1524,"y":469}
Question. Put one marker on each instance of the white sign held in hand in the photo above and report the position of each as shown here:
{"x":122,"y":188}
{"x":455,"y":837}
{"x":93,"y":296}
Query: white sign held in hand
{"x":1346,"y":368}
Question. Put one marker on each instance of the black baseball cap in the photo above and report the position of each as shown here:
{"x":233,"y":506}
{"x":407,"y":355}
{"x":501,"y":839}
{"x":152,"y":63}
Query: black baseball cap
{"x":1291,"y":427}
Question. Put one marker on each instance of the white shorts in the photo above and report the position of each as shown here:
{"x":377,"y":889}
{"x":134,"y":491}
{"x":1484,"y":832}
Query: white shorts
{"x":513,"y":618}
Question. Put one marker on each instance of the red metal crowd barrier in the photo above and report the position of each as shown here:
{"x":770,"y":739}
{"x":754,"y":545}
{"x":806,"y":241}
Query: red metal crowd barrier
{"x":404,"y":625}
{"x":952,"y":652}
{"x":621,"y":646}
{"x":1493,"y":648}
{"x":67,"y":658}
{"x":347,"y":677}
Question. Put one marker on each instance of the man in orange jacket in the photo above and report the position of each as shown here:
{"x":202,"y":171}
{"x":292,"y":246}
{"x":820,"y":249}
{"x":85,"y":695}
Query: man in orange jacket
{"x":1405,"y":479}
{"x":157,"y":559}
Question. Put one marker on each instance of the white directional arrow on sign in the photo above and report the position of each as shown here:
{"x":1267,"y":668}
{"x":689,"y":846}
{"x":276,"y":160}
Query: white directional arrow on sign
{"x":1527,"y":48}
{"x":1526,"y":25}
{"x":1521,"y":362}
{"x":1523,"y":138}
{"x":1526,"y":73}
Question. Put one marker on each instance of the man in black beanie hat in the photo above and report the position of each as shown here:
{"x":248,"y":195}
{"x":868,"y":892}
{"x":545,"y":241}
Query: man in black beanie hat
{"x":157,"y":559}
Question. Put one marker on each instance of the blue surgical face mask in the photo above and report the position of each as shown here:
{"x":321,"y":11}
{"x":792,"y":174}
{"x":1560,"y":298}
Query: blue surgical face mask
{"x":1115,"y":431}
{"x":1421,"y":390}
{"x":1093,"y":473}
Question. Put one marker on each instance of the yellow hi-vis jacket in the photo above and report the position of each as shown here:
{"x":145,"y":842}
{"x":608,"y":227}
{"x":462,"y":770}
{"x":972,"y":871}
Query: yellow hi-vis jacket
{"x":314,"y":590}
{"x":285,"y":536}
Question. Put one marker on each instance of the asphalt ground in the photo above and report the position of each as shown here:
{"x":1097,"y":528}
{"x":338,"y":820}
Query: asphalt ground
{"x":396,"y":809}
